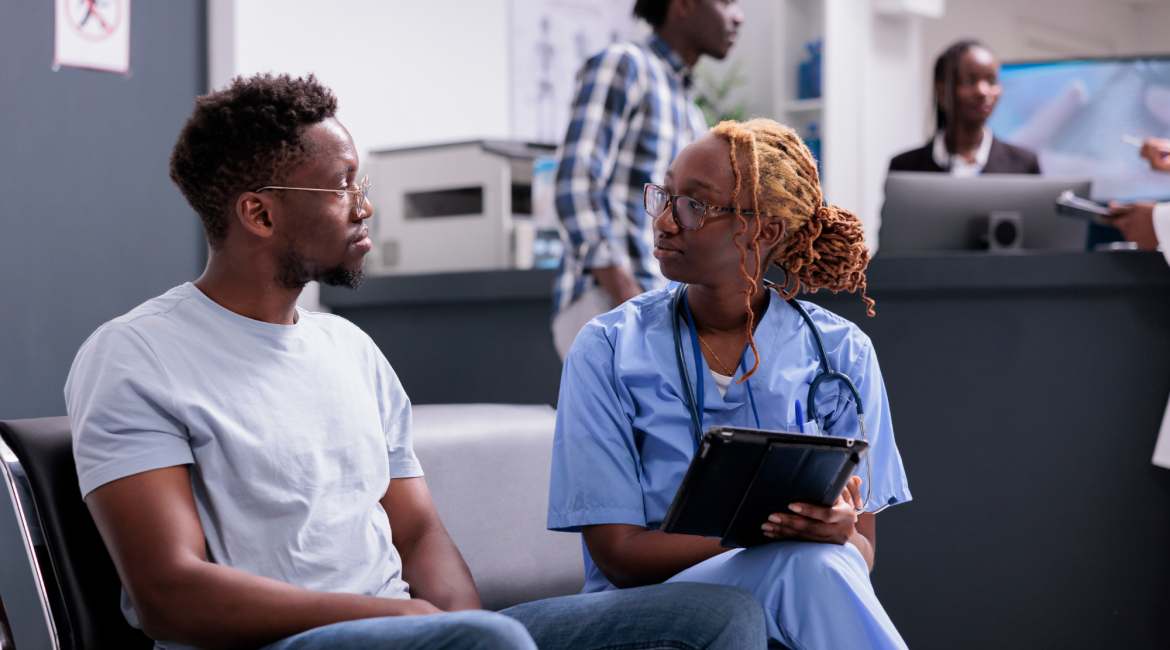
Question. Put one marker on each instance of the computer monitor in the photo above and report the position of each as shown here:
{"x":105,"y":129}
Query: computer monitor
{"x":1074,"y":115}
{"x":927,"y":211}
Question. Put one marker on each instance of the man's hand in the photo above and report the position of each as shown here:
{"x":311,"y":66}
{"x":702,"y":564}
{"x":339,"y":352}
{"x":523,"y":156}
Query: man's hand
{"x":418,"y":607}
{"x":1136,"y":223}
{"x":1157,"y":151}
{"x":815,"y":523}
{"x":618,"y":282}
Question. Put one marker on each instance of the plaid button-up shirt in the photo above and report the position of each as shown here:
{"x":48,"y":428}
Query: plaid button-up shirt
{"x":633,"y":113}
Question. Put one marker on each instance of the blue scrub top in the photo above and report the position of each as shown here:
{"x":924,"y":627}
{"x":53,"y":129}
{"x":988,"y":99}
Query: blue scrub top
{"x":624,"y":435}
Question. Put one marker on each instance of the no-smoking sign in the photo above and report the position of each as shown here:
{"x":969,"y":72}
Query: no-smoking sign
{"x":93,"y":34}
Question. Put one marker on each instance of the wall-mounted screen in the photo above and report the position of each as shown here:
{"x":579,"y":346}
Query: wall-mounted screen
{"x":1073,"y":114}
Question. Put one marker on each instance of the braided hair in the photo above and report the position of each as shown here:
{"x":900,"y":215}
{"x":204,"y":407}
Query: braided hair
{"x":823,"y":247}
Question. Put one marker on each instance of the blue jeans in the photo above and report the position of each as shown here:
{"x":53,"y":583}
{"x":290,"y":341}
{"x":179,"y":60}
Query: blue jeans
{"x":681,"y":616}
{"x":471,"y":630}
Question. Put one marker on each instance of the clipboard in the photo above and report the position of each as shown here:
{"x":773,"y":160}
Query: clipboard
{"x":1071,"y":205}
{"x":740,"y":476}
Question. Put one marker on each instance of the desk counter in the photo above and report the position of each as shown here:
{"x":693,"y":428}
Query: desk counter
{"x":1026,"y":392}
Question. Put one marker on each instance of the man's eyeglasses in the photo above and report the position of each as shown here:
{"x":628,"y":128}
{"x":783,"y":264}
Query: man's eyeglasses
{"x":688,"y":213}
{"x":359,"y":192}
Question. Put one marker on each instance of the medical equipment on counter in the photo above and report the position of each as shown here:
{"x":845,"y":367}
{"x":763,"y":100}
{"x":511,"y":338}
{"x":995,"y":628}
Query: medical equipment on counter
{"x":464,"y":206}
{"x":548,"y":244}
{"x":695,"y":401}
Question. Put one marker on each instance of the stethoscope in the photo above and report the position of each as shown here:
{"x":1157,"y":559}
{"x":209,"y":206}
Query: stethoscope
{"x":695,"y":401}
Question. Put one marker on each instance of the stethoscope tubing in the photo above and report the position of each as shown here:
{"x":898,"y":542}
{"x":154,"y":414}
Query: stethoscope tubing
{"x":827,"y":373}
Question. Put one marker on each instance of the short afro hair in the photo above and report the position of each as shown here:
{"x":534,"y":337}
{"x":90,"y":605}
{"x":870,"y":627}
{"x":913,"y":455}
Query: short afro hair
{"x":243,"y":137}
{"x":652,"y":11}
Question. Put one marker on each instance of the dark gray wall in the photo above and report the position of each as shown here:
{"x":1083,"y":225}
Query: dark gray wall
{"x":90,"y":224}
{"x":459,"y":338}
{"x":1026,"y":417}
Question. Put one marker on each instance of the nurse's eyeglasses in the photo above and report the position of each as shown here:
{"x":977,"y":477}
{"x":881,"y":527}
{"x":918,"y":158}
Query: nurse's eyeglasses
{"x":359,"y":192}
{"x":688,"y":213}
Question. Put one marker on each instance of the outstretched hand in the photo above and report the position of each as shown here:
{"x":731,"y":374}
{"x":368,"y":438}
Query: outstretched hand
{"x":817,"y":523}
{"x":1136,"y":223}
{"x":1157,"y":151}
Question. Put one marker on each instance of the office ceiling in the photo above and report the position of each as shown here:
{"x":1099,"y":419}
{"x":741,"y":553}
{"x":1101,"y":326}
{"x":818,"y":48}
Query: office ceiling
{"x":1139,"y":4}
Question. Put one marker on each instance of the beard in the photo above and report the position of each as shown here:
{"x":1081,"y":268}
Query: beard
{"x":296,"y":271}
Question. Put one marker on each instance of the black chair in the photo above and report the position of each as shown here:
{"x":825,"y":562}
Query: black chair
{"x":84,"y":588}
{"x":6,"y":642}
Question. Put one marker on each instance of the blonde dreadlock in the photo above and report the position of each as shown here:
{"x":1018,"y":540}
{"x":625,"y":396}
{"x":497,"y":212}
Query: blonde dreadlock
{"x":824,"y":246}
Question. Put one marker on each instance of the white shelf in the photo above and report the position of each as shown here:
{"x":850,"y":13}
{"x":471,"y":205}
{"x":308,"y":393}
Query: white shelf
{"x":804,"y":105}
{"x":798,"y":22}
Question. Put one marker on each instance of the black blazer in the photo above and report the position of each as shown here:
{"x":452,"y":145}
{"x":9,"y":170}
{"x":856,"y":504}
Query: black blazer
{"x":1002,"y":159}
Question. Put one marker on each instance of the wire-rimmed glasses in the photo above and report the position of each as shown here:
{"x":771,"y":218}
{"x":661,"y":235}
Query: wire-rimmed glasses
{"x":688,"y":213}
{"x":359,"y":192}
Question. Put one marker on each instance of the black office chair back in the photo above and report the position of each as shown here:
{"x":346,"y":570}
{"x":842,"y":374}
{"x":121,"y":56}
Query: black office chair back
{"x":80,"y":566}
{"x":6,"y":642}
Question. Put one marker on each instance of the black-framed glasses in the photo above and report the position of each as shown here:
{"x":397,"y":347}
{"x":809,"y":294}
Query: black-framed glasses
{"x":359,"y":192}
{"x":688,"y":212}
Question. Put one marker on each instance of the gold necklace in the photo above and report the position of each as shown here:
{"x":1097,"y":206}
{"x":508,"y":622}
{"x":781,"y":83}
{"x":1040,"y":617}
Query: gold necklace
{"x":725,"y":370}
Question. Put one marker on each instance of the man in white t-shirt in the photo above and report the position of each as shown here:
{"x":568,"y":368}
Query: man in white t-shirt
{"x":1146,"y":223}
{"x":249,"y":464}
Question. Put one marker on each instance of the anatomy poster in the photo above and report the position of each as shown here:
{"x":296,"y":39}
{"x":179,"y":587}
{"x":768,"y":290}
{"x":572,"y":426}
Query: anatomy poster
{"x":93,"y":34}
{"x":550,"y":41}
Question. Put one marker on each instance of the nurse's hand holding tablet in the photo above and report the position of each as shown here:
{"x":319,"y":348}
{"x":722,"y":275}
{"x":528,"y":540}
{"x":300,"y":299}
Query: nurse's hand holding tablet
{"x":741,"y":198}
{"x":816,"y":523}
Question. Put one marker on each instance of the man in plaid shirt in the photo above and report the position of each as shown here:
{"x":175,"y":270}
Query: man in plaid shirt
{"x":633,"y":112}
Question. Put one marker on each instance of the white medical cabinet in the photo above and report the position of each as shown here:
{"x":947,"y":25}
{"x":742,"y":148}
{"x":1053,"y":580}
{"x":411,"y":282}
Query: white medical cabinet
{"x":463,"y":206}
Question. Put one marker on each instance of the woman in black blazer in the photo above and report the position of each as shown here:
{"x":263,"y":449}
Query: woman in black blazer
{"x":966,"y":88}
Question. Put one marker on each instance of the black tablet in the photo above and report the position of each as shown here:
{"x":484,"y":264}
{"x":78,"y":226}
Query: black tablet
{"x":740,"y":476}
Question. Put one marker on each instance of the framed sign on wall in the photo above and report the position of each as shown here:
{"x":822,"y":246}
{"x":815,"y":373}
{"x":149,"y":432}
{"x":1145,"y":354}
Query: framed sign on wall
{"x":93,"y":34}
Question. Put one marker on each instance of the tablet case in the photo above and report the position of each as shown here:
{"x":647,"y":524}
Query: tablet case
{"x":740,"y":476}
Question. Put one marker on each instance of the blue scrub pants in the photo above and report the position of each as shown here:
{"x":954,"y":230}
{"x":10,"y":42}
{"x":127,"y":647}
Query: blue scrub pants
{"x":814,"y":595}
{"x":686,"y":616}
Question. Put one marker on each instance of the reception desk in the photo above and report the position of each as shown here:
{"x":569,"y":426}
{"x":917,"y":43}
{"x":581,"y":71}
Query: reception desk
{"x":1026,"y":393}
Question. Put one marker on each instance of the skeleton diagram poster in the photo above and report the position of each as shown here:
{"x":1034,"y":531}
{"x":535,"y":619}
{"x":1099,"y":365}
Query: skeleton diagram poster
{"x":93,"y":34}
{"x":550,"y":40}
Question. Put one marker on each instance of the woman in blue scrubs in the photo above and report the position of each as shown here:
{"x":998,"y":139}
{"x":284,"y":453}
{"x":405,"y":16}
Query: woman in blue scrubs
{"x":741,"y":198}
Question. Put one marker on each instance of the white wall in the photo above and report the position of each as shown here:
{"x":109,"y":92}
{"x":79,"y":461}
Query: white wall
{"x":755,"y":53}
{"x":404,"y":72}
{"x":1152,"y":30}
{"x":873,"y":66}
{"x":1037,"y":29}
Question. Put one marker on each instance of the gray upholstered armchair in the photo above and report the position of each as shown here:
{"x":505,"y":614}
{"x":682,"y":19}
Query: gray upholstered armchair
{"x":487,"y":466}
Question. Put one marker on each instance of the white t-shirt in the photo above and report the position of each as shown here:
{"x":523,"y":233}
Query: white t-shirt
{"x":293,"y":433}
{"x":723,"y":382}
